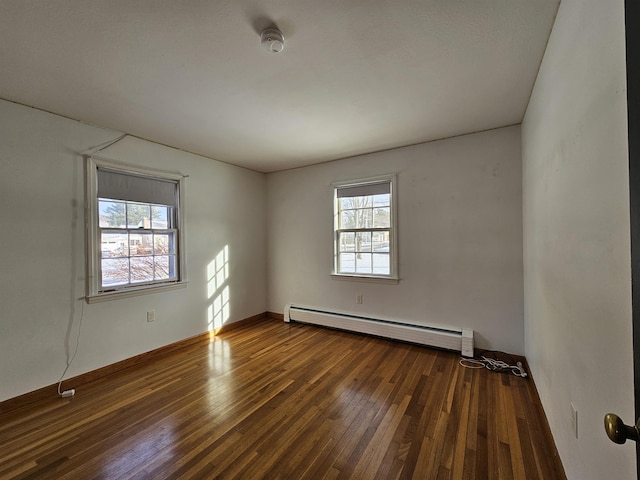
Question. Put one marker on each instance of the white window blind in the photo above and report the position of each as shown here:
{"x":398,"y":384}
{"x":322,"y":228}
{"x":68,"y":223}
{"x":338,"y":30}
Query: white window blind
{"x":136,"y":188}
{"x":364,"y":190}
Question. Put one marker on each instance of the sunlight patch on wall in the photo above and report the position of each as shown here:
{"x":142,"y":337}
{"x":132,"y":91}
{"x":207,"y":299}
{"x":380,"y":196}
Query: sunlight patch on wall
{"x":217,"y":271}
{"x":219,"y":310}
{"x":217,"y":291}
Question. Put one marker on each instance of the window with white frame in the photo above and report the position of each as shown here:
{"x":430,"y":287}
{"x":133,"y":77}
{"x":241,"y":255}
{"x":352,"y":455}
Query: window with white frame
{"x":364,"y":230}
{"x":135,"y":239}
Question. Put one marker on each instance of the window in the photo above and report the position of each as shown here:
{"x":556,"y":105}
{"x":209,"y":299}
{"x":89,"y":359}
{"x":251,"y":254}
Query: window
{"x":364,"y":232}
{"x":135,"y":239}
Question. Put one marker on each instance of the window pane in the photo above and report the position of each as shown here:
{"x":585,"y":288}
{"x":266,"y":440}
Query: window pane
{"x":381,"y":264}
{"x":363,"y":240}
{"x":383,"y":200}
{"x":141,"y":243}
{"x":161,"y":216}
{"x":141,"y":269}
{"x":382,"y":217}
{"x":380,"y":241}
{"x":163,"y":243}
{"x":356,"y":202}
{"x":364,"y":218}
{"x":347,"y":203}
{"x":114,"y":245}
{"x":138,"y":215}
{"x":363,"y":202}
{"x":363,"y":263}
{"x":347,"y":263}
{"x":347,"y":242}
{"x":115,"y":272}
{"x":163,"y":267}
{"x":111,"y":213}
{"x":348,"y":219}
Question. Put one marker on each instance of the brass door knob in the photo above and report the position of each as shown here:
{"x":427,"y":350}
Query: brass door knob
{"x":617,"y":431}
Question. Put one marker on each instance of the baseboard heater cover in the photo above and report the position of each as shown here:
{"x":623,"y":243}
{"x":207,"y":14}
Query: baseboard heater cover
{"x":458,"y":339}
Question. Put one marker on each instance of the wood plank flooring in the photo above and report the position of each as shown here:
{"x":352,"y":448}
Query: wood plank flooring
{"x":286,"y":401}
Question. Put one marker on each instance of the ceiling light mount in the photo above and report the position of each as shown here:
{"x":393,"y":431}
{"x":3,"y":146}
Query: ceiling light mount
{"x":272,"y":40}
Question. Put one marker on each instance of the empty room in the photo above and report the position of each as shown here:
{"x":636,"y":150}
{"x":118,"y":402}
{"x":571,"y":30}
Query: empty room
{"x":387,"y":239}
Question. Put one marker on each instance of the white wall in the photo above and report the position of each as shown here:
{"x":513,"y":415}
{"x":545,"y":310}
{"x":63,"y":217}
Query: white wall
{"x":460,"y":237}
{"x":576,"y":237}
{"x":42,"y":255}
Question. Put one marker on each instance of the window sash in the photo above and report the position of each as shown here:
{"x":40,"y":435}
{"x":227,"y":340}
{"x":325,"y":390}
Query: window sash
{"x":130,"y":282}
{"x":126,"y":209}
{"x":133,"y":253}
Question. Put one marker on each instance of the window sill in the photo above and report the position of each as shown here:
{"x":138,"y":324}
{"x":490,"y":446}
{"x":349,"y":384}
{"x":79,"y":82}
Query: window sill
{"x":133,"y":292}
{"x":366,"y":278}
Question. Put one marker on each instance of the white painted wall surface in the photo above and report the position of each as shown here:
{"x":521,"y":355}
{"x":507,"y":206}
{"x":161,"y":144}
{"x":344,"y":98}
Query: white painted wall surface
{"x":576,"y":237}
{"x":460,"y":237}
{"x":42,"y":251}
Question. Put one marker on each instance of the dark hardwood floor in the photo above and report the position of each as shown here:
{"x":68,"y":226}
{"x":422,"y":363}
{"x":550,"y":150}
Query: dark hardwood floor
{"x":275,"y":400}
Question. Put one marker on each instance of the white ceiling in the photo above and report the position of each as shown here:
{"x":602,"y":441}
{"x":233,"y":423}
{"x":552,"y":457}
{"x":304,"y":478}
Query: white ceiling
{"x":356,"y":76}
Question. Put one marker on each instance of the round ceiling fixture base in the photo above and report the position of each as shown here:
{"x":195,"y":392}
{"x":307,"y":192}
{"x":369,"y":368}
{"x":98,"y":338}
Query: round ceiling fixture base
{"x":272,"y":40}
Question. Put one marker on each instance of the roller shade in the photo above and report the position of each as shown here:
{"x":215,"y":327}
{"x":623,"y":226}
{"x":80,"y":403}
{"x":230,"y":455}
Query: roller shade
{"x":364,"y":190}
{"x":136,"y":188}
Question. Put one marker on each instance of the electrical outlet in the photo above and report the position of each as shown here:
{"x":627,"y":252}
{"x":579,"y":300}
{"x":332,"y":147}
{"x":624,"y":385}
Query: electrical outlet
{"x":574,"y":419}
{"x":359,"y":299}
{"x":151,"y":316}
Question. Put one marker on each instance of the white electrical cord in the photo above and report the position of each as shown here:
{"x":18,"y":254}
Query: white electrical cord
{"x":103,"y":146}
{"x":494,"y":365}
{"x":71,"y":392}
{"x":471,"y":363}
{"x":75,"y":352}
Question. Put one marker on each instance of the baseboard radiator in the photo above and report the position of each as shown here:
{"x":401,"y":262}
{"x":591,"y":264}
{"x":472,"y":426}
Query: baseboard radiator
{"x":458,"y":339}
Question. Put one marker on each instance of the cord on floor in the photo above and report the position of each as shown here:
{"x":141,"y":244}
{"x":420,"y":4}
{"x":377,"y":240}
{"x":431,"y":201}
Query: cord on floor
{"x":495,"y":364}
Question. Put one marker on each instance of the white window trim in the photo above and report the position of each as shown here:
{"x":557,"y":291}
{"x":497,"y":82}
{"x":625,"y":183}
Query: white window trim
{"x":93,"y":241}
{"x":393,"y":277}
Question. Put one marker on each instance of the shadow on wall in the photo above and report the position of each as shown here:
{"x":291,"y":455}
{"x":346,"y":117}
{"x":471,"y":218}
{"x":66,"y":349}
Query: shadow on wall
{"x":218,"y":290}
